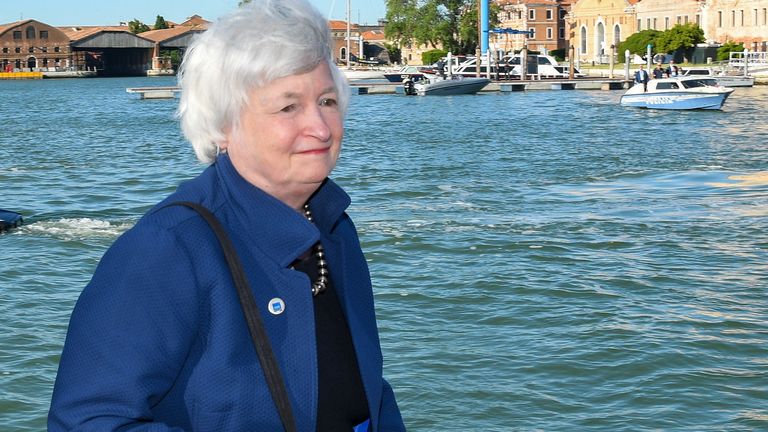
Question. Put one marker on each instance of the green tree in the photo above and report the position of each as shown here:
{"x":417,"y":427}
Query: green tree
{"x":450,"y":23}
{"x":160,"y":23}
{"x":724,"y":52}
{"x":680,"y":37}
{"x":137,"y":26}
{"x":638,"y":43}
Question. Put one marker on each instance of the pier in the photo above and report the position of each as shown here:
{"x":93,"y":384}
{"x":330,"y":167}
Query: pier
{"x":366,"y":87}
{"x":155,"y":92}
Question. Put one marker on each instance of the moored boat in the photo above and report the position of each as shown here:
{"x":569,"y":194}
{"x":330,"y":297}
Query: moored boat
{"x":404,"y":73}
{"x":725,"y":79}
{"x":452,"y":85}
{"x":677,"y":93}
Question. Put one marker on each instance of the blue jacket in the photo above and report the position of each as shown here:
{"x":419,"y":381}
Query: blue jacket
{"x":157,"y":340}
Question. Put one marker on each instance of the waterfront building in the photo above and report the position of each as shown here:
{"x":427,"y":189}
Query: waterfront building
{"x":176,"y":38}
{"x":544,"y":18}
{"x":31,"y":45}
{"x":339,"y":38}
{"x":744,"y":21}
{"x":596,"y":27}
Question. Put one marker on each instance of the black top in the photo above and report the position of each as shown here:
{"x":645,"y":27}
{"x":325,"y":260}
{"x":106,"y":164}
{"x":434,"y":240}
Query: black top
{"x":342,"y":404}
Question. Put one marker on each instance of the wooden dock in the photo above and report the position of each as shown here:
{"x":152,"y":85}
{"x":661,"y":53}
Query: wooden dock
{"x":155,"y":92}
{"x":366,"y":88}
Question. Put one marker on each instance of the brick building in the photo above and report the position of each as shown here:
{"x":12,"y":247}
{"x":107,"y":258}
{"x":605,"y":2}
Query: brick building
{"x":30,"y":44}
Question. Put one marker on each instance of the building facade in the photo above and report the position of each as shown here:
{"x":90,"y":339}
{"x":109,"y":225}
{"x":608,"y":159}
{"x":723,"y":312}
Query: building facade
{"x":543,"y":19}
{"x":744,"y":21}
{"x":31,"y":45}
{"x":596,"y":27}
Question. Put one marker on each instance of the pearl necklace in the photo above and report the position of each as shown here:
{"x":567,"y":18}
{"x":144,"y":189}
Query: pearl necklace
{"x":321,"y":283}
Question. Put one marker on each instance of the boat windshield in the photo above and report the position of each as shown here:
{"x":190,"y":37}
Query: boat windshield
{"x":701,"y":82}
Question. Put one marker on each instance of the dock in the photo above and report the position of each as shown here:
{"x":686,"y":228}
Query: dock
{"x":508,"y":86}
{"x":155,"y":92}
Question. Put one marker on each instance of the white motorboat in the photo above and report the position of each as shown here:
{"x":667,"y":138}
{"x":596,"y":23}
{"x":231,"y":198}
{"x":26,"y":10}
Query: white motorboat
{"x":362,"y":74}
{"x":511,"y":66}
{"x":678,"y":93}
{"x":439,"y":86}
{"x":723,"y":78}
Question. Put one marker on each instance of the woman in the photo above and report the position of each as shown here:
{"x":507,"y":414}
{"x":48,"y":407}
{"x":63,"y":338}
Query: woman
{"x":157,"y":340}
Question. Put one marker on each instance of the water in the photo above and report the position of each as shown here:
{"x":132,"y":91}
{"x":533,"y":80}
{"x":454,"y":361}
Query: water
{"x":542,"y":261}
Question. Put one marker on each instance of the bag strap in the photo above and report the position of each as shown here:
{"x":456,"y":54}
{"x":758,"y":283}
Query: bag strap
{"x":256,"y":328}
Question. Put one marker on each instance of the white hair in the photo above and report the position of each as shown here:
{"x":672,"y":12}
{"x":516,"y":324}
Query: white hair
{"x":258,"y":43}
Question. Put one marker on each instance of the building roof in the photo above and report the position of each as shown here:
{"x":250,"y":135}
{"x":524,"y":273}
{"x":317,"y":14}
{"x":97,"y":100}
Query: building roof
{"x":5,"y":27}
{"x":170,"y":33}
{"x":82,"y":32}
{"x":340,"y":25}
{"x":374,"y":35}
{"x":195,"y":21}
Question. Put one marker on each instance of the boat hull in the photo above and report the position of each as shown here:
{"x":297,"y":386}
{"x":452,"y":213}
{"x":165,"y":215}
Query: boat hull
{"x":9,"y":219}
{"x":451,"y":87}
{"x":676,"y":100}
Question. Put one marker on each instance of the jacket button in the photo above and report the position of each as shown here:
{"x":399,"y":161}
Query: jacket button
{"x":276,"y":306}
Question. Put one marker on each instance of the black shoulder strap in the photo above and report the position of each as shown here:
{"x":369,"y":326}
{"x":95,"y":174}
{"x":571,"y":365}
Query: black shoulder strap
{"x":256,"y":327}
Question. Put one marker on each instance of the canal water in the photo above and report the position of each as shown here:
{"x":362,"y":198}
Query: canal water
{"x":542,"y":261}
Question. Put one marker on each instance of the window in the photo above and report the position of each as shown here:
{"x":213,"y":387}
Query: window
{"x":754,"y":17}
{"x":31,"y":50}
{"x":639,"y":27}
{"x":532,"y":33}
{"x":616,"y":34}
{"x":562,"y":14}
{"x":5,"y":50}
{"x":561,"y":33}
{"x":583,"y":40}
{"x":654,"y":24}
{"x":733,"y":18}
{"x":649,"y":23}
{"x":678,"y":20}
{"x":549,"y":14}
{"x":43,"y":34}
{"x":531,"y":14}
{"x":18,"y":50}
{"x":698,"y":20}
{"x":44,"y":49}
{"x":765,"y":16}
{"x":741,"y":17}
{"x":17,"y":35}
{"x":549,"y":33}
{"x":30,"y":32}
{"x":56,"y":49}
{"x":719,"y":18}
{"x":666,"y":23}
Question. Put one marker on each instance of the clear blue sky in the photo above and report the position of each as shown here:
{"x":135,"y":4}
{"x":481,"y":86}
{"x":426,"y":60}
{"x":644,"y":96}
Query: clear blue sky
{"x":111,"y":12}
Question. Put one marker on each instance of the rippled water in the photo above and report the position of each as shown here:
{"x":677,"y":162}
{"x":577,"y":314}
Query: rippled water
{"x":542,"y":260}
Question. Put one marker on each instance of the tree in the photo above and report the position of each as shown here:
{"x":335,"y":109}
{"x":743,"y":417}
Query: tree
{"x":680,"y":37}
{"x":137,"y":26}
{"x":160,"y":23}
{"x":450,"y":23}
{"x":724,"y":52}
{"x":638,"y":43}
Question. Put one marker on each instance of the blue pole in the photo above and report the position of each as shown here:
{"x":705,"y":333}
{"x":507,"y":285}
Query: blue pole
{"x":484,"y":12}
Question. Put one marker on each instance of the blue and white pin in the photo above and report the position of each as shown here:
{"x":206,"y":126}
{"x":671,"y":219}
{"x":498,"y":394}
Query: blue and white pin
{"x":276,"y":306}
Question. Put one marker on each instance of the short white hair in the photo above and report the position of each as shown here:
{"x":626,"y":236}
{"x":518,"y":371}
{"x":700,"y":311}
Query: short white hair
{"x":256,"y":44}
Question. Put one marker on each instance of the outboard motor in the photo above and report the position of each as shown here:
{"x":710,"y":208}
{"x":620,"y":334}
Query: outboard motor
{"x":408,"y":87}
{"x":9,"y":219}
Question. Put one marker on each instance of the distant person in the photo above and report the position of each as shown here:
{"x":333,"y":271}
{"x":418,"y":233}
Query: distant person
{"x":642,"y":77}
{"x":158,"y":340}
{"x":675,"y":71}
{"x":440,"y":68}
{"x":658,"y":72}
{"x":671,"y":69}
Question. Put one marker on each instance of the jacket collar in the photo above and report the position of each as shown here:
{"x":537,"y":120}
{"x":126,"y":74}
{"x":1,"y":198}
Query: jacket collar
{"x":273,"y":227}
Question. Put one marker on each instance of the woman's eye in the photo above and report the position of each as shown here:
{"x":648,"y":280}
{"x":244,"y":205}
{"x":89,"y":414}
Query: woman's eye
{"x":289,"y":108}
{"x":328,"y":102}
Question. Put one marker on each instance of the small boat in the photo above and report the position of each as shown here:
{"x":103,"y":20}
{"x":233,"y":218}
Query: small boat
{"x":440,"y":86}
{"x":726,"y":79}
{"x":362,"y":74}
{"x":9,"y":219}
{"x":404,"y":73}
{"x":677,"y":93}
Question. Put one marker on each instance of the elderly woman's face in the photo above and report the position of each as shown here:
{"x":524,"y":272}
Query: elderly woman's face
{"x":290,"y":135}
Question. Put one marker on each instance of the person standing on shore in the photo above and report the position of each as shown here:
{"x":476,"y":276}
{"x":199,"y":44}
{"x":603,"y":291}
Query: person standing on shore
{"x":641,"y":77}
{"x":163,"y":338}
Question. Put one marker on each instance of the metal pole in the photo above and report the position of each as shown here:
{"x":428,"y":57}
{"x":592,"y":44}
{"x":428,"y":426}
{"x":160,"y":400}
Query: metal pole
{"x":484,"y":15}
{"x":613,"y":54}
{"x":626,"y":65}
{"x":349,"y":34}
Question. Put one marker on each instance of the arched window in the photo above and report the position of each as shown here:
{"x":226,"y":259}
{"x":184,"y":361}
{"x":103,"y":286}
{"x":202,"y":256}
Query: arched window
{"x":343,"y":53}
{"x":583,"y":40}
{"x":30,"y":32}
{"x":616,"y":35}
{"x":600,"y":40}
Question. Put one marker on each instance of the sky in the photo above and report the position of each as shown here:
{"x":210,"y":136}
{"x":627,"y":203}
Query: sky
{"x":112,"y":12}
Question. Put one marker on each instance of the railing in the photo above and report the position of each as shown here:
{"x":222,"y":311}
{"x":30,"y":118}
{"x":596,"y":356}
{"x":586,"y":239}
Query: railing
{"x":752,"y":61}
